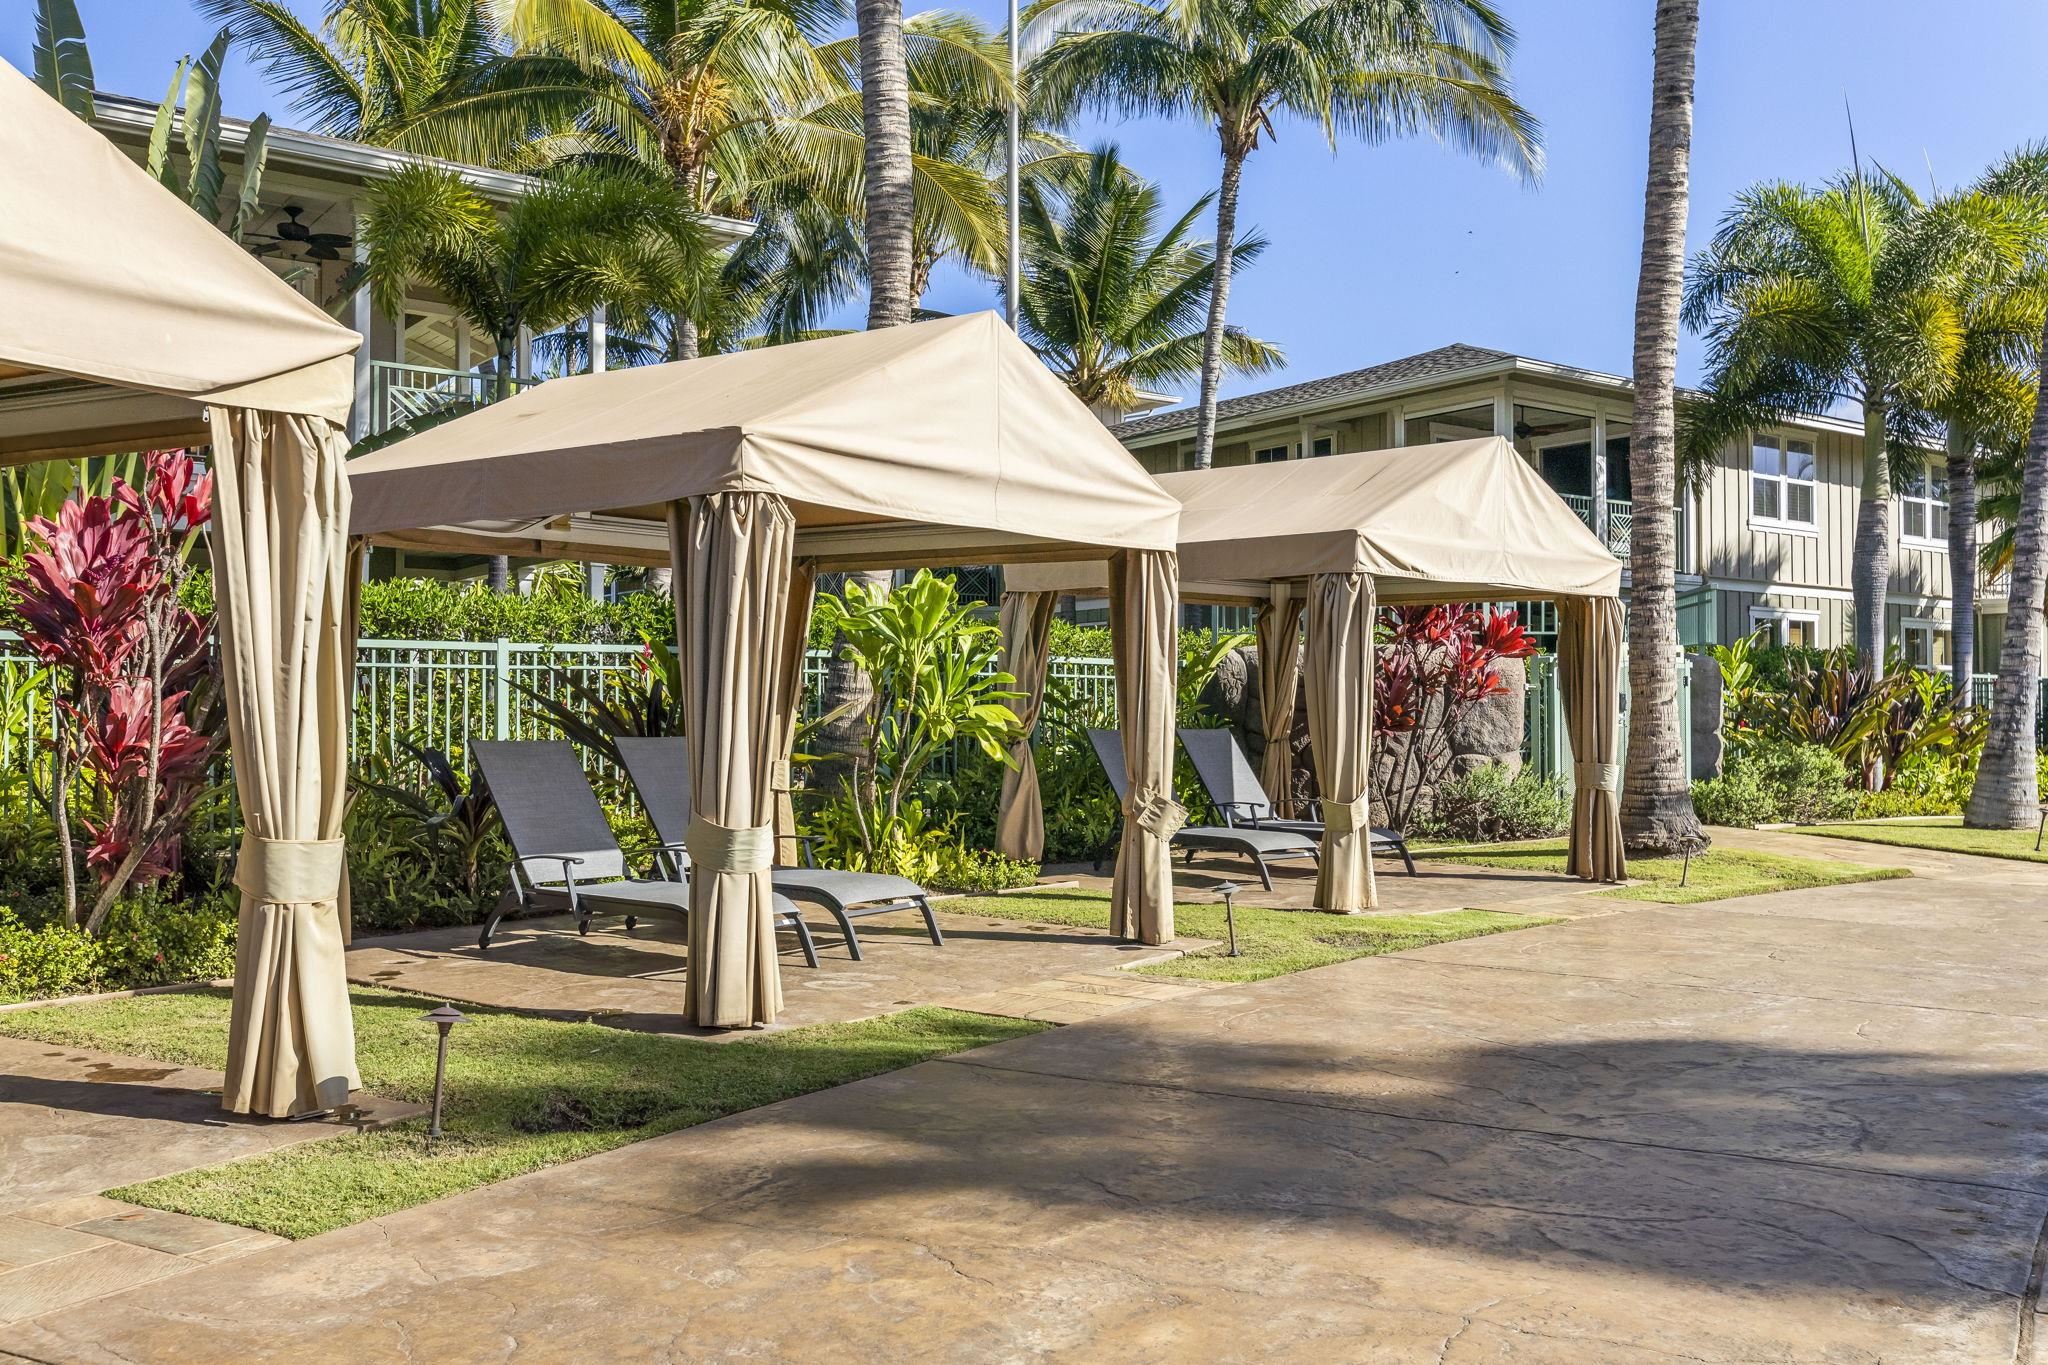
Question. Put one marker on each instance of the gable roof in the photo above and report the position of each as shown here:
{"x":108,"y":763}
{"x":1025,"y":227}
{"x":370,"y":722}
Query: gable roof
{"x":1436,"y":364}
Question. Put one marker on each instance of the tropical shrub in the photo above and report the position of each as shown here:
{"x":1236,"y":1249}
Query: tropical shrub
{"x":932,"y":665}
{"x":1874,"y":722}
{"x":1487,"y":804}
{"x":1736,"y":798}
{"x":426,"y":609}
{"x":145,"y":941}
{"x":1434,"y":664}
{"x":1785,"y":783}
{"x":138,"y":724}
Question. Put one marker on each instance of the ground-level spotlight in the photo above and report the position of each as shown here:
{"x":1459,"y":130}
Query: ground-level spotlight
{"x":1229,"y":890}
{"x":444,"y":1019}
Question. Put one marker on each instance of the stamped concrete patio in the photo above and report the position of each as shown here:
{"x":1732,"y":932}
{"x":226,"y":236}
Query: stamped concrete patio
{"x":1798,"y":1127}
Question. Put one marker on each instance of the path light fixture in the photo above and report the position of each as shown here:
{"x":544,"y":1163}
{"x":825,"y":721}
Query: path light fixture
{"x":1229,"y":890}
{"x":1689,"y":847}
{"x":444,"y":1019}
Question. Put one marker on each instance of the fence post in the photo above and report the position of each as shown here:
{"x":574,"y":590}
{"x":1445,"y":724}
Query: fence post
{"x":501,"y":689}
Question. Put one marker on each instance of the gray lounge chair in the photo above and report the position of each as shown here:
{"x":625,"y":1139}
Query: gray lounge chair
{"x":660,"y":772}
{"x":1234,"y":789}
{"x":1262,"y":846}
{"x":564,"y":855}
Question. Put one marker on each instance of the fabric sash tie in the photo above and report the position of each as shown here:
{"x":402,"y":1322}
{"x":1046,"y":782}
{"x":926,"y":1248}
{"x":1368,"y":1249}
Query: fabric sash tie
{"x":723,"y":848}
{"x":1605,"y":776}
{"x":290,"y":871}
{"x":1155,"y":812}
{"x":1346,"y":817}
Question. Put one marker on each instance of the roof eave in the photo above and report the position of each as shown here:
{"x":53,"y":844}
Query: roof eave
{"x":1395,"y":388}
{"x":129,"y":121}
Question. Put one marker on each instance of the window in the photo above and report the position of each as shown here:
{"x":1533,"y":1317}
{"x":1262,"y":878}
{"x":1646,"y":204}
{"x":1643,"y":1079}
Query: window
{"x":1322,"y":445}
{"x":1781,"y":481}
{"x":1923,"y":505}
{"x":1460,"y":424}
{"x":1925,"y":643}
{"x":1270,"y":454}
{"x":1788,"y":629}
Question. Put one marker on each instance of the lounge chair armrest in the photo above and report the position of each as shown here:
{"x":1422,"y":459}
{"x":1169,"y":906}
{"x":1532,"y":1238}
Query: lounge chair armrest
{"x":569,"y":864}
{"x":672,"y":861}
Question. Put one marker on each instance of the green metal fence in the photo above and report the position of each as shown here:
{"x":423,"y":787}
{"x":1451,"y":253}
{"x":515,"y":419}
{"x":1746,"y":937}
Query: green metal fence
{"x":1547,"y":747}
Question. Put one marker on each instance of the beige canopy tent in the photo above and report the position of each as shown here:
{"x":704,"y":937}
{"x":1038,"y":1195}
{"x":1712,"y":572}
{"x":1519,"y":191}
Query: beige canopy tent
{"x":1457,"y":521}
{"x":127,"y":322}
{"x":945,"y":442}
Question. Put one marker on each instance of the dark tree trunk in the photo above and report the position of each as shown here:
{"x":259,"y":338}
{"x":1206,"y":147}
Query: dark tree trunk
{"x":2007,"y":794}
{"x":885,"y":122}
{"x":1871,"y":573}
{"x":1219,"y":302}
{"x":1656,"y":796}
{"x":1962,"y":560}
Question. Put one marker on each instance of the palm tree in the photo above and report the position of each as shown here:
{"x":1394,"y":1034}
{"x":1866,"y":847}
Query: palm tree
{"x":585,"y":238}
{"x":1112,"y":302}
{"x":714,"y":93}
{"x":2006,"y":794}
{"x":1856,"y":291}
{"x":1657,"y":815}
{"x":424,"y":76}
{"x":1374,"y":69}
{"x":1991,"y":403}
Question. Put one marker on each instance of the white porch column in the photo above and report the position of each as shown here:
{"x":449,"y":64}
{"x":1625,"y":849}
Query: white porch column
{"x":462,"y":360}
{"x":522,"y":356}
{"x":362,"y":317}
{"x":1600,"y":478}
{"x":597,"y":340}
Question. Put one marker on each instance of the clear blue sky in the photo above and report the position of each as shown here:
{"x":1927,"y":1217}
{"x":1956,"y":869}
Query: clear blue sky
{"x":1379,"y":252}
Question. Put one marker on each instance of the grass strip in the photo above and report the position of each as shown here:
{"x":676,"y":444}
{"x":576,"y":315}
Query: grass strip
{"x":522,"y":1093}
{"x":1944,"y":834}
{"x":1272,"y":942}
{"x":1717,"y":874}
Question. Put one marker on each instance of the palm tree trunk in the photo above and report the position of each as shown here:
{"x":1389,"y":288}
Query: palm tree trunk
{"x":885,"y":121}
{"x":2007,"y":794}
{"x":1219,"y":301}
{"x":1962,"y":561}
{"x":1871,"y":574}
{"x":1656,"y":794}
{"x":500,"y":571}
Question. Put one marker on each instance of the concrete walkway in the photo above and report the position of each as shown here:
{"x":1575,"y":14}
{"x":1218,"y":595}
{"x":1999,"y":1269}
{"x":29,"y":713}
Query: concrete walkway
{"x":1800,"y":1127}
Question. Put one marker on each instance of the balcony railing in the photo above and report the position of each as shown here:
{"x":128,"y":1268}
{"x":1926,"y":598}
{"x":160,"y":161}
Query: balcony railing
{"x":401,"y":393}
{"x":1620,"y":521}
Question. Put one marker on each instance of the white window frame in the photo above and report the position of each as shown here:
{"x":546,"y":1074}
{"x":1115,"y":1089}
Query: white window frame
{"x":1934,"y":628}
{"x":1927,"y":541}
{"x":1780,"y":523}
{"x":1777,"y":617}
{"x":1279,"y":454}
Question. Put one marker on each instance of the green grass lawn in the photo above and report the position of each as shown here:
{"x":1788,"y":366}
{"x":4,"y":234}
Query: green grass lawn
{"x":522,"y":1093}
{"x":1272,"y":942}
{"x":1716,"y":874}
{"x":1942,"y":832}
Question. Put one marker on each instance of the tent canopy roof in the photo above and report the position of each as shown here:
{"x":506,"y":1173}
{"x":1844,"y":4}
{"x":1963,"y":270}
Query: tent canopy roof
{"x":125,"y":312}
{"x":1456,"y":521}
{"x":906,"y":445}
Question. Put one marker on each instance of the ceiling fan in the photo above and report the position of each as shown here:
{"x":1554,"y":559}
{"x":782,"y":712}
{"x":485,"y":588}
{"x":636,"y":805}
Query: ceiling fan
{"x":313,"y":246}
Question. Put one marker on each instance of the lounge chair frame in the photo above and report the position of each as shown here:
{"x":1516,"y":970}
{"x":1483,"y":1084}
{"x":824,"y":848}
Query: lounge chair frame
{"x":1235,"y":791}
{"x":555,"y":825}
{"x":1262,"y":846}
{"x":659,"y":768}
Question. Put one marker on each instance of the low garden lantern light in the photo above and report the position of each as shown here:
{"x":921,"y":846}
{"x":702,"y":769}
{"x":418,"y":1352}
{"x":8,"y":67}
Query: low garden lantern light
{"x":1229,"y":890}
{"x":444,"y":1019}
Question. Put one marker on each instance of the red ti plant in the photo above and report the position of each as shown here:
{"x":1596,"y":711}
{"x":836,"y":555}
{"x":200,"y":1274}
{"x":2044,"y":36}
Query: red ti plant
{"x":1433,"y":665}
{"x":98,"y":600}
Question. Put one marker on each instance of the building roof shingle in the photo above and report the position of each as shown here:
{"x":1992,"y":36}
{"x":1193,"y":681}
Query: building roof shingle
{"x":1444,"y":360}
